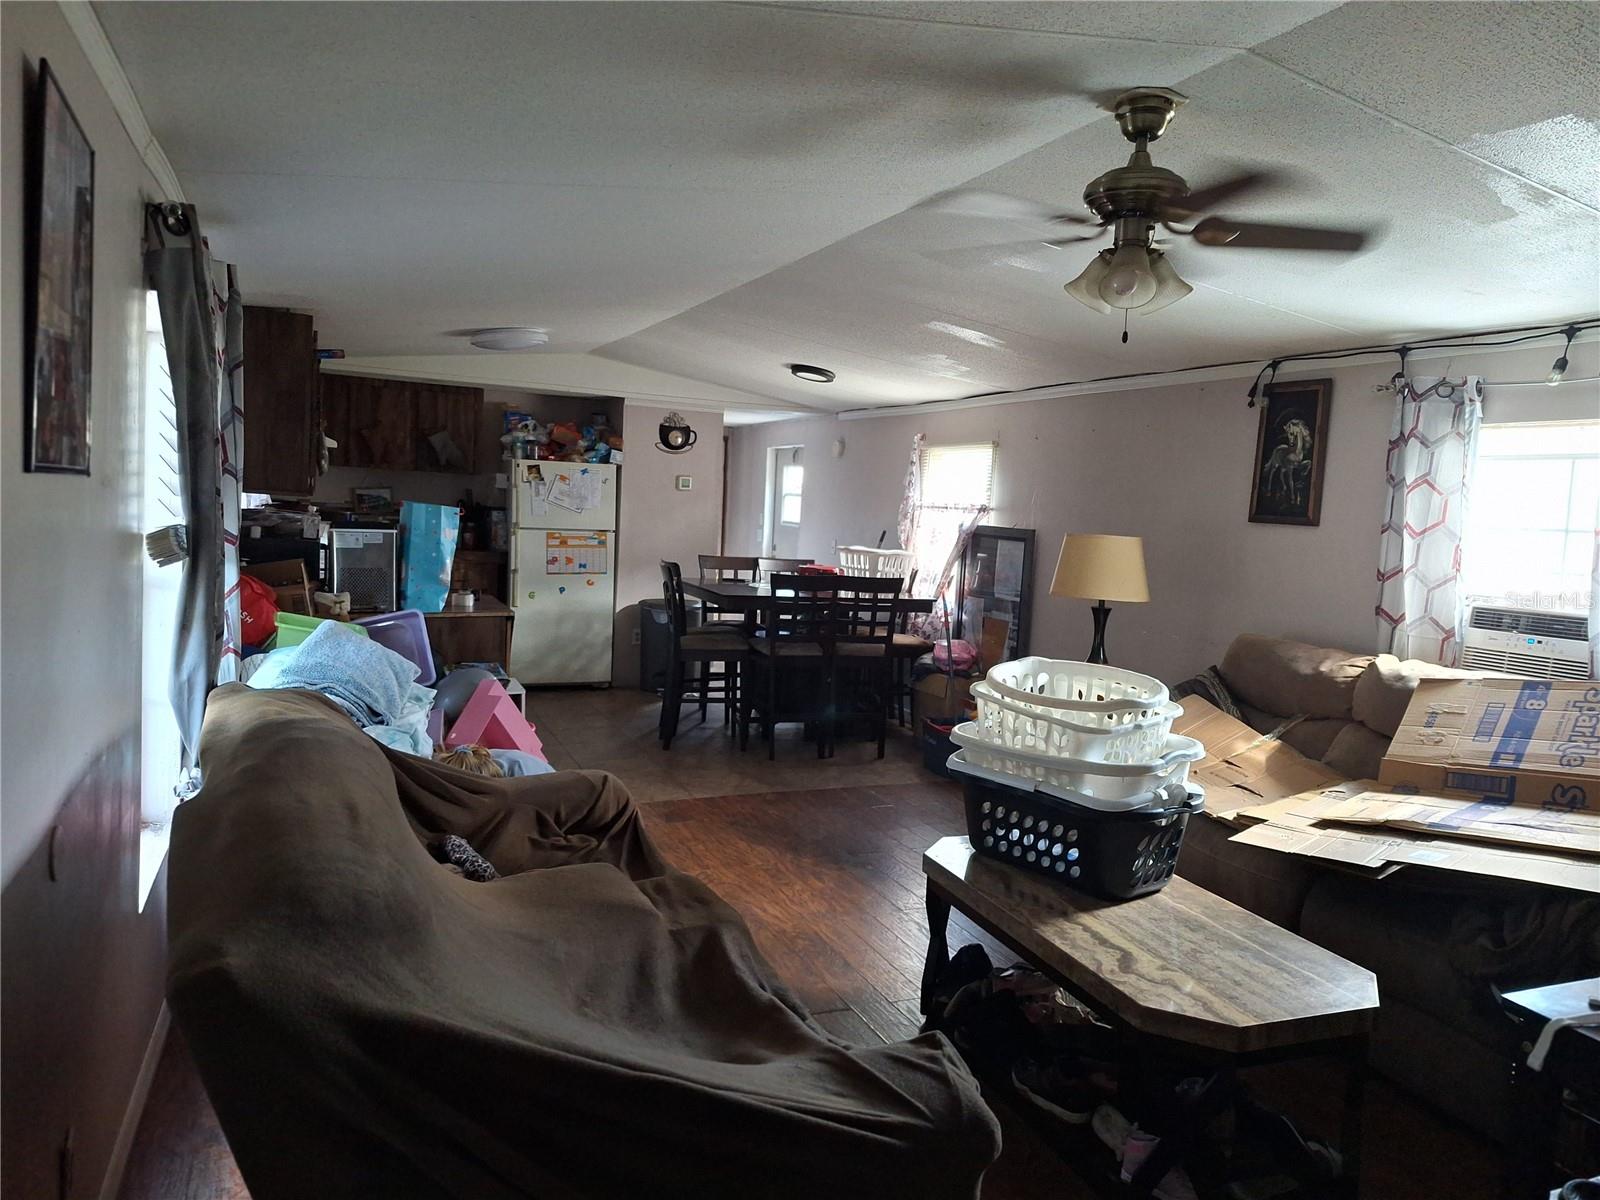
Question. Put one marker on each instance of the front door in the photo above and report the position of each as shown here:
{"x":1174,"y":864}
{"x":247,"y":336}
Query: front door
{"x":786,"y":476}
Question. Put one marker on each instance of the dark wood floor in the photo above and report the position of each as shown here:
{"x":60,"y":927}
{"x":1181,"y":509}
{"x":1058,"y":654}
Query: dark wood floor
{"x":831,"y":885}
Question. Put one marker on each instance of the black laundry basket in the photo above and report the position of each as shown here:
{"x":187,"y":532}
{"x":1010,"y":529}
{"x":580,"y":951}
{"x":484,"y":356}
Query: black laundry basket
{"x":1115,"y":854}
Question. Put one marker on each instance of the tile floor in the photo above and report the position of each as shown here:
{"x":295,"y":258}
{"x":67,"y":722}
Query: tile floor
{"x":615,"y":730}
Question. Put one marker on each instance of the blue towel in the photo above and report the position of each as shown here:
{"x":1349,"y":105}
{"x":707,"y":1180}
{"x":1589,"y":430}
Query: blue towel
{"x":369,"y":681}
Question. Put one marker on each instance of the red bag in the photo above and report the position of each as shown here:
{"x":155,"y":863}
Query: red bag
{"x":258,"y":611}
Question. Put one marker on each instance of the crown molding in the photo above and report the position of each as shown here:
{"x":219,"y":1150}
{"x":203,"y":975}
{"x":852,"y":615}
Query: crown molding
{"x":107,"y":67}
{"x":1186,"y":375}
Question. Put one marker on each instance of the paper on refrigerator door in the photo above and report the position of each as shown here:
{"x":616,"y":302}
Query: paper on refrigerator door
{"x":567,"y":553}
{"x":577,"y":489}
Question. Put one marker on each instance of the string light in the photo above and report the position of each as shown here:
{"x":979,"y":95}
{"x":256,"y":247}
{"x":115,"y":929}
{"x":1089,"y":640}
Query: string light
{"x":1558,"y":369}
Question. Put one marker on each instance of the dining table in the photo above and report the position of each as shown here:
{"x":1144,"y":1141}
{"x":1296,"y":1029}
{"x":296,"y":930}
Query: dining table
{"x":751,"y":598}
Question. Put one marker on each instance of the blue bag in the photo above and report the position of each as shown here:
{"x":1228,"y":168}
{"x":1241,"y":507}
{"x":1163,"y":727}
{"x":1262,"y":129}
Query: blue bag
{"x":428,"y":535}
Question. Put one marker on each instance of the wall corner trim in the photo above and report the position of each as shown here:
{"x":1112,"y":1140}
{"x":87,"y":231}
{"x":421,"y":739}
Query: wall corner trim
{"x":103,"y":59}
{"x":123,"y":1146}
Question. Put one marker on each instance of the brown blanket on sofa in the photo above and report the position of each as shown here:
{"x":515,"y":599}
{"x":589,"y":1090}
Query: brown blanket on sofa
{"x":593,"y":1024}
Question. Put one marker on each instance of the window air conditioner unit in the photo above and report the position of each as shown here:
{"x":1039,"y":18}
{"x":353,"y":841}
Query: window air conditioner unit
{"x":1527,"y":642}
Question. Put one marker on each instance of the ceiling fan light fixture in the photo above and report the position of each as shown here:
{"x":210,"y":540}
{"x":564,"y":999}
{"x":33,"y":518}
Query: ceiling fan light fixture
{"x":1170,"y":288}
{"x":1128,"y":282}
{"x":508,"y":337}
{"x":1085,"y":289}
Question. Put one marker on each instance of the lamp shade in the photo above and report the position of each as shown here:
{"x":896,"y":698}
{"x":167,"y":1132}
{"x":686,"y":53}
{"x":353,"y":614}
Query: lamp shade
{"x":1101,"y":566}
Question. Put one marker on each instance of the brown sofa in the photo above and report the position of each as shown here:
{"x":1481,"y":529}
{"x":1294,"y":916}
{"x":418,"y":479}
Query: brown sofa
{"x":1441,"y":944}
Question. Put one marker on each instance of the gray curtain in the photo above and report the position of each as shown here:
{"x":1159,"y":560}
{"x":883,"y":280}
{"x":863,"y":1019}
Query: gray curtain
{"x":178,"y":269}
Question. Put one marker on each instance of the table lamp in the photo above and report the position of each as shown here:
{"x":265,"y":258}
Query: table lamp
{"x":1101,"y":567}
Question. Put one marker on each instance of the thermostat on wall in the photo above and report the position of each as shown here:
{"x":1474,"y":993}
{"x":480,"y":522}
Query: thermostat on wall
{"x":685,"y":483}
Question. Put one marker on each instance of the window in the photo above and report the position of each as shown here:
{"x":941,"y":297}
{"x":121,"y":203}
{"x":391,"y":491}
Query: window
{"x":161,"y":753}
{"x":1532,"y":515}
{"x":955,"y":484}
{"x":792,"y":482}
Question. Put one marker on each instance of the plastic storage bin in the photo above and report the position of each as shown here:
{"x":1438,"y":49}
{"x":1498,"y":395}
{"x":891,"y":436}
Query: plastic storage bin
{"x":406,"y":633}
{"x":1109,"y":731}
{"x":1104,"y":781}
{"x":1069,"y":837}
{"x":294,"y":629}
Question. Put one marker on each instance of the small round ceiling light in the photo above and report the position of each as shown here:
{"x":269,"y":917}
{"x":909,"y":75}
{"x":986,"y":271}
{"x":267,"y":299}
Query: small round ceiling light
{"x":811,"y":374}
{"x":513,"y":337}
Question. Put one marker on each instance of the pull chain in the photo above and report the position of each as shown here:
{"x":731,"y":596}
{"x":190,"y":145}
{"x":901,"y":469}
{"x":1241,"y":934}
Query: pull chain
{"x":1124,"y":327}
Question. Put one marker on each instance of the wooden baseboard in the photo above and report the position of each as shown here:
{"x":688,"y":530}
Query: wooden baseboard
{"x":112,"y":1184}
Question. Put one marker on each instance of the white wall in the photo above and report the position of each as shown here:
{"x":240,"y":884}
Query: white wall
{"x":82,"y":968}
{"x":1171,"y":464}
{"x":656,"y":521}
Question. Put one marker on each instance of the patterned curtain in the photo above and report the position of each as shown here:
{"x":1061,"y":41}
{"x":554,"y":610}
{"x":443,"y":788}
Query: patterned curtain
{"x":908,"y":499}
{"x":1594,"y":605}
{"x":178,"y":268}
{"x":1432,"y":447}
{"x":227,"y":314}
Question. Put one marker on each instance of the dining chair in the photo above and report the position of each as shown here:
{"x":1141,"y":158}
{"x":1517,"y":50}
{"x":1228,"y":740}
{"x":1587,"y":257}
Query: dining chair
{"x":726,"y":568}
{"x":791,"y":659}
{"x":906,"y":649}
{"x":703,"y":650}
{"x":864,"y":622}
{"x":765,"y":567}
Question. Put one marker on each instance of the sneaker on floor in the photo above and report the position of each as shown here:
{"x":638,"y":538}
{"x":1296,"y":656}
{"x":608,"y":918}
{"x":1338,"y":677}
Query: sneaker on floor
{"x":1140,"y":1146}
{"x":1063,"y":1093}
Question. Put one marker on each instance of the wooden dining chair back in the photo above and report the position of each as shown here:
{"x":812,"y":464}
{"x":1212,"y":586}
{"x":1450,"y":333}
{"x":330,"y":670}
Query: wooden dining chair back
{"x":703,"y":650}
{"x":864,"y":617}
{"x":792,"y":657}
{"x":908,"y":647}
{"x":726,"y":568}
{"x":767,"y":567}
{"x":729,"y":568}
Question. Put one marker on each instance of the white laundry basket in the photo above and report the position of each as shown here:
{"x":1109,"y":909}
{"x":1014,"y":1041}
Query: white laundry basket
{"x":1105,"y":781}
{"x":1075,"y":710}
{"x":878,"y":563}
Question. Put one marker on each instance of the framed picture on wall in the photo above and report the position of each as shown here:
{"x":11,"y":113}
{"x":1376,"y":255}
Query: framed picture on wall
{"x":60,"y":285}
{"x":1291,"y":445}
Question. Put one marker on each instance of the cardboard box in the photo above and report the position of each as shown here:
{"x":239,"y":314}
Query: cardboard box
{"x":1242,"y":768}
{"x":1299,"y":825}
{"x":287,"y":579}
{"x":1532,"y":742}
{"x":939,"y":695}
{"x":1474,"y":820}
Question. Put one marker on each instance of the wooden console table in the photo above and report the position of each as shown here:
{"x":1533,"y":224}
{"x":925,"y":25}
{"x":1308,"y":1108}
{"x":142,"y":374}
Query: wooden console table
{"x":1182,"y":974}
{"x":480,"y":635}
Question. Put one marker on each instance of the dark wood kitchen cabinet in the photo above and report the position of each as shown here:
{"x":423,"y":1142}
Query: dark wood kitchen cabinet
{"x":373,"y":420}
{"x":447,"y":427}
{"x":283,"y":421}
{"x":397,"y":425}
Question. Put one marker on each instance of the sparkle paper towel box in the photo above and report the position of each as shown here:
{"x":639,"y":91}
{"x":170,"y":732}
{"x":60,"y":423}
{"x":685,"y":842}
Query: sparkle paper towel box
{"x":1534,"y":742}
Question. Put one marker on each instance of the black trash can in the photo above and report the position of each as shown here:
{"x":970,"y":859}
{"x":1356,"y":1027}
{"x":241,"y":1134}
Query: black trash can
{"x":655,"y":641}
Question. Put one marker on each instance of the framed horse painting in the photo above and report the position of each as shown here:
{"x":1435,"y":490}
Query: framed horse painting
{"x":1291,"y":444}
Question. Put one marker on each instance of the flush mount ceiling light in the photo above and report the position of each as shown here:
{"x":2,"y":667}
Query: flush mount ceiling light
{"x":508,"y":337}
{"x":811,"y":374}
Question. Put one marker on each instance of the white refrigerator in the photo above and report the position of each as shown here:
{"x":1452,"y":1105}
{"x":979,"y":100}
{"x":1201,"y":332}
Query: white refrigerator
{"x":563,"y":571}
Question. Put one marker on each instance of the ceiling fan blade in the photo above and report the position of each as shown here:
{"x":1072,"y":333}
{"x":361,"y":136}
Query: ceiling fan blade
{"x":1218,"y":231}
{"x":1202,"y":199}
{"x":968,"y":202}
{"x":1014,"y":254}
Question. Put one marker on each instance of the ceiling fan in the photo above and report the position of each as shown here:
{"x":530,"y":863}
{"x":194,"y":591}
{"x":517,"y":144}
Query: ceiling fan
{"x":1133,"y":274}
